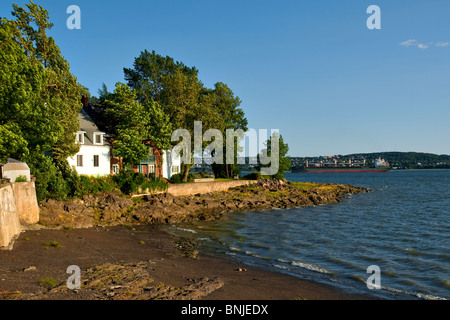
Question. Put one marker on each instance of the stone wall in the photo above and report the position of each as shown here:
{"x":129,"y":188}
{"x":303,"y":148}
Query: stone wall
{"x":9,"y":217}
{"x":18,"y":207}
{"x":186,"y":189}
{"x":26,"y":202}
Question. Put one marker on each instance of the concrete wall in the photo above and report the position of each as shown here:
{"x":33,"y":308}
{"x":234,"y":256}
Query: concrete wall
{"x":9,"y":217}
{"x":26,"y":202}
{"x":204,"y":187}
{"x":18,"y":207}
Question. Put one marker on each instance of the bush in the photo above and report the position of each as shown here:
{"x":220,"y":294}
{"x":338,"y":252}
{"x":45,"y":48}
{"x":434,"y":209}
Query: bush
{"x":129,"y":182}
{"x":126,"y":182}
{"x":253,"y":176}
{"x":21,"y":179}
{"x":176,"y":178}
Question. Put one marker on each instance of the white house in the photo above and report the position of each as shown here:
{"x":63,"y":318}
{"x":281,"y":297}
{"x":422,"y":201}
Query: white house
{"x":94,"y":157}
{"x":171,"y":163}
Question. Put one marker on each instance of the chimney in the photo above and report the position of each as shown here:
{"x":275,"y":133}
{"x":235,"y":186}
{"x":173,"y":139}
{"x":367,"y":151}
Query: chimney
{"x":85,"y":101}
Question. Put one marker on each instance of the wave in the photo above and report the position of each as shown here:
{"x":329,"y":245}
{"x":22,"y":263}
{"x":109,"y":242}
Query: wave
{"x":400,"y":291}
{"x":307,"y":266}
{"x":186,"y":230}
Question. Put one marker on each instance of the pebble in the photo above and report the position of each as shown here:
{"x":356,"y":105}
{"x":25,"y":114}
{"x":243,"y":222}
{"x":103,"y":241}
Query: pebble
{"x":32,"y":268}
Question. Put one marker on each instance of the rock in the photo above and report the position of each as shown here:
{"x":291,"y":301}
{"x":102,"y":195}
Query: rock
{"x":31,"y":268}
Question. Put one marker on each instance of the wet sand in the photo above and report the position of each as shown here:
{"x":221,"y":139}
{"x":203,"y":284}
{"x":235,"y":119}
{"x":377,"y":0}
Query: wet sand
{"x":46,"y":254}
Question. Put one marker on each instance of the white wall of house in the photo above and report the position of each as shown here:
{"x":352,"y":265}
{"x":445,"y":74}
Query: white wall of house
{"x":171,"y":164}
{"x":88,"y":153}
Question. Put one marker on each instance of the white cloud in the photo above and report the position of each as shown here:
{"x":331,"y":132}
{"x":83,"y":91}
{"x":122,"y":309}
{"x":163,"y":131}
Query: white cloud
{"x":423,"y":46}
{"x":409,"y":43}
{"x":442,"y":44}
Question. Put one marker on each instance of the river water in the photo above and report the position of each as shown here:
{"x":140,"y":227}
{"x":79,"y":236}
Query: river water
{"x":401,"y":227}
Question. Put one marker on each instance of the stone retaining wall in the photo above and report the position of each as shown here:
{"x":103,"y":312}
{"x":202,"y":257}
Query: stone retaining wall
{"x":9,"y":217}
{"x":186,"y":189}
{"x":18,"y":206}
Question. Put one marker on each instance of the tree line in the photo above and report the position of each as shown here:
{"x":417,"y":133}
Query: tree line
{"x":400,"y":160}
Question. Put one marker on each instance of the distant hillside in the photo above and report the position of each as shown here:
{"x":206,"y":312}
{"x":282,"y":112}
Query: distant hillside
{"x":399,"y":160}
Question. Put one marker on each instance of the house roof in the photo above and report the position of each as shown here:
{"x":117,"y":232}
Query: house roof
{"x":86,"y":123}
{"x":13,"y":165}
{"x":88,"y":126}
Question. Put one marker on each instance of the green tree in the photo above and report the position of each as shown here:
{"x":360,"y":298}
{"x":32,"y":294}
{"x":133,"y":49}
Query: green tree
{"x":39,"y":97}
{"x":183,"y":98}
{"x":12,"y":144}
{"x":229,"y":115}
{"x":127,"y":120}
{"x":148,"y":70}
{"x":159,"y":127}
{"x":284,"y":161}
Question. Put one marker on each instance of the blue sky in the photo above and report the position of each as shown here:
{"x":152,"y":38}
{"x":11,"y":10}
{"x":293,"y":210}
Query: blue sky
{"x":311,"y":69}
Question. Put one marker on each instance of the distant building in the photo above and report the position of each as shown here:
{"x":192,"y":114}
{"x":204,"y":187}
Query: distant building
{"x":171,"y":164}
{"x":13,"y":169}
{"x":94,"y":157}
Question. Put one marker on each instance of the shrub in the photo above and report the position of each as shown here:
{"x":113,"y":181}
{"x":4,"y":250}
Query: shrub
{"x":129,"y":182}
{"x":48,"y":283}
{"x":253,"y":176}
{"x":21,"y":179}
{"x":176,"y":178}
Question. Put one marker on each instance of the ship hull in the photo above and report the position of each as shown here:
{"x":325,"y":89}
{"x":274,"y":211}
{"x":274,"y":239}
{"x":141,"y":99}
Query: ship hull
{"x":339,"y":169}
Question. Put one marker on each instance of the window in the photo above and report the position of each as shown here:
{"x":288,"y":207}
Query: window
{"x":151,"y":169}
{"x":98,"y":138}
{"x":96,"y":161}
{"x":175,"y":169}
{"x":79,"y":160}
{"x":80,"y":137}
{"x":115,"y":169}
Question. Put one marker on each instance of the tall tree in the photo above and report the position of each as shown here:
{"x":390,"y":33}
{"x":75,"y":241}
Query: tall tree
{"x":184,"y":99}
{"x":38,"y":94}
{"x":175,"y":87}
{"x":132,"y":123}
{"x":127,"y":120}
{"x":229,"y":116}
{"x":148,"y":70}
{"x":281,"y":155}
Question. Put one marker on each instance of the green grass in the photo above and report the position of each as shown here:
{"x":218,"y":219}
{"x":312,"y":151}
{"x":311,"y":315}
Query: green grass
{"x":49,"y":283}
{"x":305,"y":186}
{"x":54,"y":244}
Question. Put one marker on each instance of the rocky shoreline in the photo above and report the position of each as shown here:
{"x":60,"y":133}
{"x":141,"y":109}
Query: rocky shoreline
{"x":124,"y":254}
{"x":109,"y":209}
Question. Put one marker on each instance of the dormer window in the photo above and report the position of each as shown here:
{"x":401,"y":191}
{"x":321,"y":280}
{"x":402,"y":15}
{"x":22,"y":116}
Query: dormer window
{"x":98,"y":138}
{"x":80,"y":137}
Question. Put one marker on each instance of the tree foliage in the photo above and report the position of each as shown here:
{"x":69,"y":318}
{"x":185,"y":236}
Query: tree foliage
{"x":39,"y":97}
{"x":183,"y":98}
{"x":284,"y":161}
{"x":131,"y":123}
